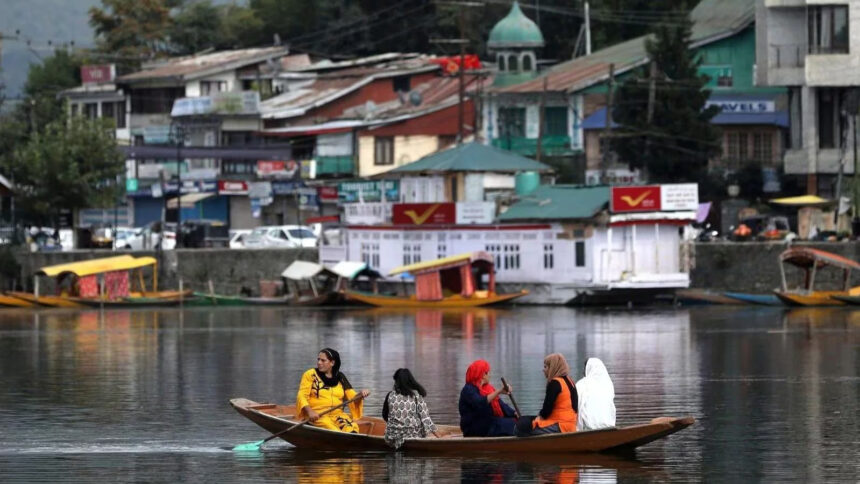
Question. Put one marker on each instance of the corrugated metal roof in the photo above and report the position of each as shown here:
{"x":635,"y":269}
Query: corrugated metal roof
{"x":190,"y":66}
{"x":712,"y":20}
{"x":471,"y":157}
{"x":559,"y":202}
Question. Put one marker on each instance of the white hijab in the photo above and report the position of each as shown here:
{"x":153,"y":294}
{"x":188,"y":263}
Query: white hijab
{"x":596,"y":397}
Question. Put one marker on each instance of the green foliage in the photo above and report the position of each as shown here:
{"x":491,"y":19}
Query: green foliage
{"x":132,"y":30}
{"x":677,"y":143}
{"x":70,"y":164}
{"x":44,"y":81}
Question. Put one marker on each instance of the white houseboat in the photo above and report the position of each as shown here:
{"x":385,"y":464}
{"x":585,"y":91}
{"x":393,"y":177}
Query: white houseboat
{"x":564,"y":244}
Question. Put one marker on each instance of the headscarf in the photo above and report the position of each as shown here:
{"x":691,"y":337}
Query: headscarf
{"x":596,"y":397}
{"x":474,"y":374}
{"x":336,"y":375}
{"x":556,"y":366}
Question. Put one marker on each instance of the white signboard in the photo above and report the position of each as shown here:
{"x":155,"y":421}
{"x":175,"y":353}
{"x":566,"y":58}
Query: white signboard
{"x":480,"y":213}
{"x":368,"y":213}
{"x":614,"y":177}
{"x":682,"y":196}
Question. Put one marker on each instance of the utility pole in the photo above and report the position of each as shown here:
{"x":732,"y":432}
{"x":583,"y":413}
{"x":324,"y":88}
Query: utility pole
{"x":607,"y":130}
{"x":541,"y":119}
{"x":587,"y":30}
{"x":652,"y":94}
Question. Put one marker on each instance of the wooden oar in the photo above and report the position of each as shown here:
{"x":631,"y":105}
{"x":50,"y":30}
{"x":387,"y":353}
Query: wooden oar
{"x":511,"y":395}
{"x":256,"y":445}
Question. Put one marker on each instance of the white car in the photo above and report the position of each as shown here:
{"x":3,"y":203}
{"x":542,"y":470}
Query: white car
{"x":285,"y":236}
{"x":145,"y":238}
{"x":238,"y":237}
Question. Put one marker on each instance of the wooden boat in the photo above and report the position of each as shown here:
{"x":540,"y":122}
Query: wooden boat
{"x":171,"y":298}
{"x":101,"y":281}
{"x":759,"y":299}
{"x":447,"y":282}
{"x":312,"y":284}
{"x":275,"y":418}
{"x":850,"y":300}
{"x":14,"y":302}
{"x":696,"y":297}
{"x":810,"y":261}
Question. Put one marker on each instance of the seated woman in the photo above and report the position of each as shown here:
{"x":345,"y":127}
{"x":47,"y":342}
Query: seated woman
{"x":324,"y":387}
{"x":482,"y":413}
{"x":596,"y":397}
{"x":405,"y":411}
{"x":560,"y":402}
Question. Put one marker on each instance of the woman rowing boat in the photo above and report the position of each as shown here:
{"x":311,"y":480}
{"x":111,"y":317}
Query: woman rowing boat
{"x":324,"y":387}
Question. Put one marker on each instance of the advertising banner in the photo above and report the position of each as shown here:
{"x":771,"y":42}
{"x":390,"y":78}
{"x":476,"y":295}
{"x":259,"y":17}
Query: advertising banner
{"x":635,"y":199}
{"x":480,"y":213}
{"x":232,"y":187}
{"x":424,"y":213}
{"x":681,"y":196}
{"x":368,"y":191}
{"x":278,"y":169}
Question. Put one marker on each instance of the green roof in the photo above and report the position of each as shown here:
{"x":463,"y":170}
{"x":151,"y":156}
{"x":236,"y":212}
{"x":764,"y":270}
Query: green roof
{"x":472,"y":157}
{"x":559,"y":202}
{"x":515,"y":30}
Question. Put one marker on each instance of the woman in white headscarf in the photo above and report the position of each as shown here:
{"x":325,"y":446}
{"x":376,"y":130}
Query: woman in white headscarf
{"x":596,"y":397}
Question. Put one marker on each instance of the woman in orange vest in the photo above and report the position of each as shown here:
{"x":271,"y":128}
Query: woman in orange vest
{"x":558,"y":414}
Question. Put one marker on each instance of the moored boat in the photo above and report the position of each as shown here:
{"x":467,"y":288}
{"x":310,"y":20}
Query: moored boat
{"x":453,"y":281}
{"x":275,"y":418}
{"x":759,"y":299}
{"x":696,"y":297}
{"x":810,"y":261}
{"x":14,"y":302}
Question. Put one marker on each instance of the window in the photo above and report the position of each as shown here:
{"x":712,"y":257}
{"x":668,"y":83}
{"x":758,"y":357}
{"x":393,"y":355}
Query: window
{"x":411,"y":253}
{"x":91,"y":110}
{"x":511,"y":256}
{"x":512,"y":122}
{"x":555,"y":121}
{"x":383,"y":153}
{"x":763,"y":147}
{"x":501,"y":60}
{"x":579,"y":247}
{"x":120,"y":114}
{"x":548,"y":259}
{"x":370,"y":254}
{"x":107,"y":110}
{"x":301,"y":234}
{"x":829,"y":125}
{"x":155,"y":100}
{"x":237,"y":167}
{"x":737,"y":145}
{"x":828,"y":29}
{"x":513,"y":64}
{"x":527,"y":62}
{"x":441,"y":250}
{"x":725,"y":80}
{"x":211,"y":87}
{"x":401,"y":83}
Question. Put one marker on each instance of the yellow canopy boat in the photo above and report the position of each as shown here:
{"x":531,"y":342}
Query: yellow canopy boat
{"x":91,"y":282}
{"x":810,"y":260}
{"x":453,"y":281}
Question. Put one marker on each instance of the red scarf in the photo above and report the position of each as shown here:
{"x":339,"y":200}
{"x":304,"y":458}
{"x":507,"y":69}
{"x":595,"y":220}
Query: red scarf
{"x":474,"y":374}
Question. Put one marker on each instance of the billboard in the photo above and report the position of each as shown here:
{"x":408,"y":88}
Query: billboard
{"x":424,"y":213}
{"x":655,"y":198}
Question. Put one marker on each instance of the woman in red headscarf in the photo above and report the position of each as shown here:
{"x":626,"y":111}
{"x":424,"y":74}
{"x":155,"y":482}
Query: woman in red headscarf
{"x":482,"y":412}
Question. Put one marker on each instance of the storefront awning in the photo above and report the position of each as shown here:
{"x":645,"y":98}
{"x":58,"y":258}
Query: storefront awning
{"x":189,"y":200}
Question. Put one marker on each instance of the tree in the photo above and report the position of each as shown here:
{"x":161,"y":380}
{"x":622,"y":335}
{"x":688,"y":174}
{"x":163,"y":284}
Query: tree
{"x":132,"y":31}
{"x":201,"y":25}
{"x":71,"y":164}
{"x":44,"y":81}
{"x":677,"y":144}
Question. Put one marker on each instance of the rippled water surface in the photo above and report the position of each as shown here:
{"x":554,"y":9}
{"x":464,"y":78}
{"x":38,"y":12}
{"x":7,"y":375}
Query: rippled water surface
{"x":142,"y":396}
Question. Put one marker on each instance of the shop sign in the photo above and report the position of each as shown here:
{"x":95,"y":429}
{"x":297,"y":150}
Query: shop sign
{"x":635,"y":199}
{"x":368,"y":191}
{"x":259,"y":190}
{"x":480,"y":213}
{"x":369,"y":213}
{"x":278,"y":169}
{"x":232,"y":187}
{"x":225,"y":103}
{"x":98,"y":74}
{"x":424,"y":213}
{"x":308,"y":199}
{"x":619,"y":176}
{"x":681,"y":196}
{"x":327,"y":194}
{"x":131,"y":184}
{"x":738,"y":106}
{"x":286,"y":187}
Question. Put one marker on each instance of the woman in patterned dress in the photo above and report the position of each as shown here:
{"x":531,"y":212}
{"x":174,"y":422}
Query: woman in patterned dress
{"x":405,"y":411}
{"x":324,"y":387}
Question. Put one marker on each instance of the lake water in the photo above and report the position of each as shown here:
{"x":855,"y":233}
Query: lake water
{"x":142,"y":396}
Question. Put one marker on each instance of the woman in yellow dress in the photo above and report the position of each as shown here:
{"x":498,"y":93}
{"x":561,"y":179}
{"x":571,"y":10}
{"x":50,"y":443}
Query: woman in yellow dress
{"x":324,"y":387}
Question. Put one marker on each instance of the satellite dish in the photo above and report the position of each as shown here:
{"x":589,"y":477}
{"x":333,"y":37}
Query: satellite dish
{"x":415,"y":98}
{"x":369,"y":108}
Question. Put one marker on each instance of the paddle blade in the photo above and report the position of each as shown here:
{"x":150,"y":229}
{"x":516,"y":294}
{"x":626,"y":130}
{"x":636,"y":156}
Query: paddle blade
{"x":249,"y":447}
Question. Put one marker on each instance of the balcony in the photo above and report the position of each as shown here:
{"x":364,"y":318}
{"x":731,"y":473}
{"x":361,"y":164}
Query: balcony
{"x":787,"y":56}
{"x":550,"y":146}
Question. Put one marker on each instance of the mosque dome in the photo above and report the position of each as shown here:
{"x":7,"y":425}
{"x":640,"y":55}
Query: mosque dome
{"x":515,"y":31}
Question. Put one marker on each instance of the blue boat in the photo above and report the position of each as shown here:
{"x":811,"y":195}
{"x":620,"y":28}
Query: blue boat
{"x":760,"y":299}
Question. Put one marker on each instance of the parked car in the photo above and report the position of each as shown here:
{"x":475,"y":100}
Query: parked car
{"x":205,"y":233}
{"x":237,"y":238}
{"x":122,"y":237}
{"x":153,"y":235}
{"x":286,"y":236}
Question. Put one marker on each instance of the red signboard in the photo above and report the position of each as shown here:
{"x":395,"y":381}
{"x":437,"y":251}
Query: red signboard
{"x":636,"y":199}
{"x":97,"y":74}
{"x":424,"y":213}
{"x":232,"y":187}
{"x":327,"y":194}
{"x":278,"y":169}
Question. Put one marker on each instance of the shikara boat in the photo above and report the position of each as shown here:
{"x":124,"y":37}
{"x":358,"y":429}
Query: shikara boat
{"x":697,"y":297}
{"x":275,"y":418}
{"x":312,"y":284}
{"x":103,"y":281}
{"x":447,"y":282}
{"x":14,"y":302}
{"x":759,"y":299}
{"x":810,"y":261}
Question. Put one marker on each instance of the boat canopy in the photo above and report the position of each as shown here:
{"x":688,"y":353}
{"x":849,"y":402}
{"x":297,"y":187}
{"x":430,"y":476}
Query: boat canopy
{"x":301,"y":270}
{"x":806,"y":257}
{"x":443,"y":263}
{"x":97,"y":266}
{"x":803,"y":200}
{"x":352,"y":269}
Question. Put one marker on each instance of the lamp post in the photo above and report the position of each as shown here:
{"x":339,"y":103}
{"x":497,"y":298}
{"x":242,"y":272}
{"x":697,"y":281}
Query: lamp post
{"x":178,"y":135}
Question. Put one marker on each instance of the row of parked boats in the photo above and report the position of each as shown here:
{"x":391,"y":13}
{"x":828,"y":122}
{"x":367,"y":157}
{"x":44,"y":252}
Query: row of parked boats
{"x":814,"y":265}
{"x":465,"y":280}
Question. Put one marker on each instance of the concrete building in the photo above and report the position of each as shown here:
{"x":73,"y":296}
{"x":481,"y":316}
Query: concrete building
{"x":811,"y":47}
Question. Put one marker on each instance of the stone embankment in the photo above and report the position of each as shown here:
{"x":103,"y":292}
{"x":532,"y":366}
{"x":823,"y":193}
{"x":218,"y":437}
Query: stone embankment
{"x":719,"y":266}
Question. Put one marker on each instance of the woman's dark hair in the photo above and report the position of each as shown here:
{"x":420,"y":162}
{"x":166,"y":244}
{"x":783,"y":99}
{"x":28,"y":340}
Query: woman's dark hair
{"x":405,"y":383}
